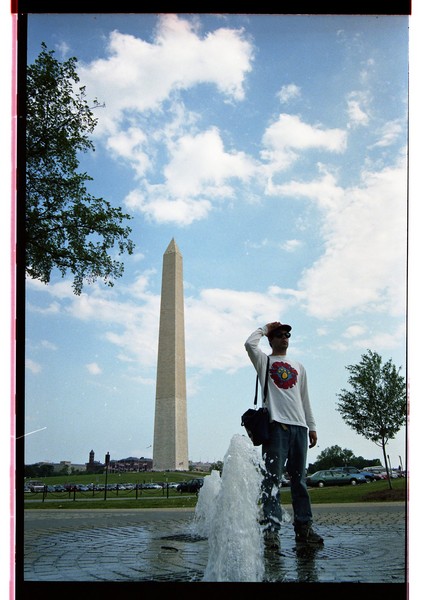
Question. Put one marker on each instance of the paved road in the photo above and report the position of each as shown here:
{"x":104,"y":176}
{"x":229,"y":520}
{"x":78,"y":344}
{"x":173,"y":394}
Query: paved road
{"x":364,"y":543}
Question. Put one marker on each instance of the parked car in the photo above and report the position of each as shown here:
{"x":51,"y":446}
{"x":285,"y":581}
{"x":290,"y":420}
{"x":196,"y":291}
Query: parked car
{"x":322,"y":478}
{"x":151,"y":486}
{"x":192,"y":486}
{"x":36,"y":486}
{"x":369,"y":476}
{"x":378,"y":473}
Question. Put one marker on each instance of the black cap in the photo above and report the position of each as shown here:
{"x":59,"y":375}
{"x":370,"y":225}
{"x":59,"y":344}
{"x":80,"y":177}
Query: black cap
{"x":282,"y":326}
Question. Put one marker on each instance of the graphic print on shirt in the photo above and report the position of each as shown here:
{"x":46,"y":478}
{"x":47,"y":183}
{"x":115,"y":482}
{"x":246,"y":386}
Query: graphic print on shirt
{"x":283,"y":375}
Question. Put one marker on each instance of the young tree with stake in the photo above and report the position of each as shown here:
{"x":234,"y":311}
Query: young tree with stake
{"x":376,"y":407}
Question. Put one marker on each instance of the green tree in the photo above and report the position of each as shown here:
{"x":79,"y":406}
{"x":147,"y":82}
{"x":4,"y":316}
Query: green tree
{"x":217,"y":466}
{"x":46,"y":470}
{"x":334,"y":456}
{"x":376,"y":407}
{"x":66,"y":227}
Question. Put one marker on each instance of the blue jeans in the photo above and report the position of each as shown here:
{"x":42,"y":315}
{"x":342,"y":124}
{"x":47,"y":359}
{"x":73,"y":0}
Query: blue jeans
{"x":286,"y":448}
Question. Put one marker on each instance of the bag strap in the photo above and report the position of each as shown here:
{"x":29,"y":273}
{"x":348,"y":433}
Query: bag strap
{"x":265,"y":386}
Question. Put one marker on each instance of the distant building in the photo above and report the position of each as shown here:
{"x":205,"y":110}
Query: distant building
{"x":123,"y":465}
{"x":94,"y":466}
{"x":68,"y":467}
{"x":200,"y":466}
{"x":131,"y":464}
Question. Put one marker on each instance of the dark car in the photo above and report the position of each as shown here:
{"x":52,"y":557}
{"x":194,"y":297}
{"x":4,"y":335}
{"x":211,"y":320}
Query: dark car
{"x":191,"y":486}
{"x":322,"y":478}
{"x":369,"y":476}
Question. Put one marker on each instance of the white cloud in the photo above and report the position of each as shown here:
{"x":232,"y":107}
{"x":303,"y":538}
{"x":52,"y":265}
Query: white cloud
{"x":358,"y":109}
{"x":94,"y":368}
{"x":364,"y":262}
{"x":290,"y":132}
{"x":52,"y":309}
{"x":164,"y":210}
{"x":289,"y":136}
{"x":129,"y":145}
{"x":140,"y":287}
{"x":220,"y":319}
{"x":199,"y":172}
{"x":384,"y":340}
{"x":33,"y":366}
{"x":288,"y":92}
{"x":354,"y":331}
{"x":200,"y":161}
{"x":46,"y":345}
{"x":62,"y":289}
{"x":358,"y":338}
{"x":140,"y":76}
{"x":321,"y":331}
{"x":291,"y":245}
{"x":324,"y":191}
{"x":389,"y":134}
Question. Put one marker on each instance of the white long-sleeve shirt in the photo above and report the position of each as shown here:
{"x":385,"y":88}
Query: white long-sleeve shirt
{"x":287,"y":395}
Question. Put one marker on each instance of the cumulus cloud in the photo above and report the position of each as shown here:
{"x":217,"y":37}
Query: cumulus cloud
{"x":219,"y":318}
{"x":324,"y":190}
{"x":290,"y":132}
{"x":129,"y":145}
{"x":146,"y":126}
{"x":362,"y":227}
{"x":159,"y":209}
{"x":139,"y":76}
{"x":199,"y":172}
{"x":288,"y":136}
{"x":363,"y":265}
{"x":199,"y":162}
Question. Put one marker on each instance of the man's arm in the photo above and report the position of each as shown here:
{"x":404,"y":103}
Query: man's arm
{"x":257,"y":356}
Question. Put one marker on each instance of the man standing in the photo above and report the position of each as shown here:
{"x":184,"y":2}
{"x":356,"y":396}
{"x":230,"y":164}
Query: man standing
{"x":291,"y":419}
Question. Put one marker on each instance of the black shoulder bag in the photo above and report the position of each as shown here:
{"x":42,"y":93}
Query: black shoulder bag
{"x":256,"y":421}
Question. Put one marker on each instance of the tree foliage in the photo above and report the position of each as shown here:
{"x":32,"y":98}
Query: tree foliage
{"x":376,"y":406}
{"x":334,"y":456}
{"x":66,"y":227}
{"x":38,"y":470}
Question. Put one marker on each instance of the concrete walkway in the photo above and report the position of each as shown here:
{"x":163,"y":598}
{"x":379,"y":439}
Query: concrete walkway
{"x":364,"y":543}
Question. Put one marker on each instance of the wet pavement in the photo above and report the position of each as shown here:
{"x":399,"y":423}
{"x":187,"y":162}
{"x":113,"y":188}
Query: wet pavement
{"x":363,"y":543}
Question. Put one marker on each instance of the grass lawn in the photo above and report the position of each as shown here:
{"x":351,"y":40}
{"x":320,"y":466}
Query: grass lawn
{"x":377,"y":491}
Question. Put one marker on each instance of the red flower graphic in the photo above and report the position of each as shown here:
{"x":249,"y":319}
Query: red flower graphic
{"x":283,"y":375}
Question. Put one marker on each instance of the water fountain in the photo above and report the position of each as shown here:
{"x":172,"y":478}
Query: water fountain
{"x":227,"y":513}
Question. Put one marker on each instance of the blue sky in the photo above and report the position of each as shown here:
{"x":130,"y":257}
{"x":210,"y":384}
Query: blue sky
{"x":273,"y":149}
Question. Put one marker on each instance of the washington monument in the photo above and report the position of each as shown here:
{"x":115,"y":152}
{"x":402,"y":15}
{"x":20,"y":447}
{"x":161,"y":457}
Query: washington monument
{"x":170,"y":448}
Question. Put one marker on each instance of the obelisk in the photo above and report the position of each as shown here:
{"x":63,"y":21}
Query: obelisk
{"x":170,"y":444}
